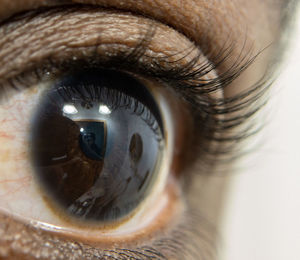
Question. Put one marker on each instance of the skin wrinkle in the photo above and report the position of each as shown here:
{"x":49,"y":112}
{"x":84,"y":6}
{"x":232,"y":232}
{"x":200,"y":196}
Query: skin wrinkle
{"x":21,"y":241}
{"x":203,"y":22}
{"x":194,"y":16}
{"x":84,"y":34}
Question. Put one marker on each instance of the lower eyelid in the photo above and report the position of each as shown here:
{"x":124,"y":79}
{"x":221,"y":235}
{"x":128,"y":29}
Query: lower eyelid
{"x":191,"y":238}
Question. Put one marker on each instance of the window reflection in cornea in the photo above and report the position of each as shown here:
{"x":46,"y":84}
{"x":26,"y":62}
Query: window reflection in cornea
{"x":192,"y":235}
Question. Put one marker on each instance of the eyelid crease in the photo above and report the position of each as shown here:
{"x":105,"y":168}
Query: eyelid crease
{"x":189,"y":74}
{"x":192,"y":71}
{"x":91,"y":22}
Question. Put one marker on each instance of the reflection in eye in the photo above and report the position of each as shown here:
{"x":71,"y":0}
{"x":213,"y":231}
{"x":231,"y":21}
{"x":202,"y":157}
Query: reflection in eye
{"x":97,"y":143}
{"x":72,"y":157}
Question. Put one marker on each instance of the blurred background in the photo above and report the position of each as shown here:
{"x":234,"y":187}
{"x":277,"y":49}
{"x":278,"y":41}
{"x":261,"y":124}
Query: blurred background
{"x":262,"y":215}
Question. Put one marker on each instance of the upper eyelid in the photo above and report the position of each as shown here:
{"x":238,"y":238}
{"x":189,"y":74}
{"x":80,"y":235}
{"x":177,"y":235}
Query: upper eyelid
{"x":185,"y":61}
{"x":168,"y":13}
{"x":193,"y":73}
{"x":195,"y":93}
{"x":219,"y":59}
{"x":200,"y":68}
{"x":189,"y":80}
{"x":10,"y":34}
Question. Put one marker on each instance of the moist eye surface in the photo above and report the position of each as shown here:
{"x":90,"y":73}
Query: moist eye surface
{"x":97,"y":144}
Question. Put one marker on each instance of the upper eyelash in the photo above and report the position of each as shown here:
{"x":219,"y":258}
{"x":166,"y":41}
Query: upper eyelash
{"x":249,"y":101}
{"x":187,"y":79}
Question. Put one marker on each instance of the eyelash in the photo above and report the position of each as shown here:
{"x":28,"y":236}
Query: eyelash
{"x":212,"y":116}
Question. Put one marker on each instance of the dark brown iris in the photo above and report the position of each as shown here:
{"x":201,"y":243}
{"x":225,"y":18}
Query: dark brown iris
{"x":96,"y":161}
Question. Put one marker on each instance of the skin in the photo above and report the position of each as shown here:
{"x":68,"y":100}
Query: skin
{"x":207,"y":25}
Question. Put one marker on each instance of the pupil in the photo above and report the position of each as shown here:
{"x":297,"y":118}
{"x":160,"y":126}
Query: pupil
{"x":96,"y":144}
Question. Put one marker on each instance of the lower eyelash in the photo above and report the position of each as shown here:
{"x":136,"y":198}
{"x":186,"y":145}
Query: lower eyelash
{"x":181,"y":242}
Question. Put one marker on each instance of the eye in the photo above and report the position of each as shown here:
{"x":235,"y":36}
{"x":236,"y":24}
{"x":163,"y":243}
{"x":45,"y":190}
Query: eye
{"x":104,"y":119}
{"x":98,"y":137}
{"x":95,"y":150}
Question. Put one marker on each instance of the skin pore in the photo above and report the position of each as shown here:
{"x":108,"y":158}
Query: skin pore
{"x":209,"y":25}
